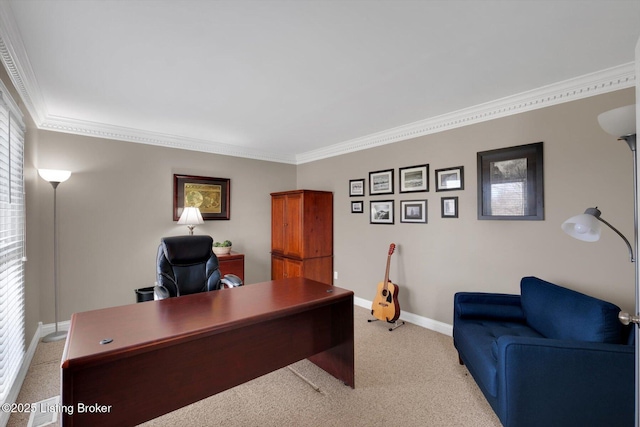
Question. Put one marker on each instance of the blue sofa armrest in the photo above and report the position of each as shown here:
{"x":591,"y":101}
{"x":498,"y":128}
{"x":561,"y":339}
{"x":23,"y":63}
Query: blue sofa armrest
{"x":570,"y":383}
{"x":479,"y":305}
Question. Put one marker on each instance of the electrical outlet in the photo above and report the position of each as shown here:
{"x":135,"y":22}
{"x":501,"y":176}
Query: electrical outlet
{"x":335,"y":275}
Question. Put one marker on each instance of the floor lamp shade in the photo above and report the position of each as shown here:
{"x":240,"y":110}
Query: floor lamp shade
{"x":619,"y":122}
{"x":55,"y":177}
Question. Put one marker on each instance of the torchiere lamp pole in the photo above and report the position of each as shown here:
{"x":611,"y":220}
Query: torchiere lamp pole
{"x":620,"y":122}
{"x":55,"y":177}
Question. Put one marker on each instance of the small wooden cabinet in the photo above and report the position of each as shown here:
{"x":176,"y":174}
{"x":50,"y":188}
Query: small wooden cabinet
{"x":302,"y":235}
{"x":232,"y":263}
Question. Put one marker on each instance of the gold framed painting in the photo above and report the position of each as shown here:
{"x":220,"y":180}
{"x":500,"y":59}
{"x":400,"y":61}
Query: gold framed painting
{"x":211,"y":195}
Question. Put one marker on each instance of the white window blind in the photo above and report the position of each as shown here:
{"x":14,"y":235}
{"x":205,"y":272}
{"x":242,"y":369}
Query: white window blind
{"x":12,"y":243}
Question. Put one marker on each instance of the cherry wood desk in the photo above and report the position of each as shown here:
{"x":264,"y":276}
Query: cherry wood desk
{"x":170,"y":353}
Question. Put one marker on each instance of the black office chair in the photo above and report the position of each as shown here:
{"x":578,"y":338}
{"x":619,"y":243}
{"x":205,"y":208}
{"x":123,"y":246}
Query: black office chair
{"x":187,"y":265}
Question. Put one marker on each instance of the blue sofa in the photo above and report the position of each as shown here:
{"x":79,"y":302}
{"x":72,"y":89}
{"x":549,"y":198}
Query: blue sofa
{"x":548,"y":357}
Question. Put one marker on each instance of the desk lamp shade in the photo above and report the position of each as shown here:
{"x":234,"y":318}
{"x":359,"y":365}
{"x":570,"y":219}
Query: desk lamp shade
{"x":191,"y":217}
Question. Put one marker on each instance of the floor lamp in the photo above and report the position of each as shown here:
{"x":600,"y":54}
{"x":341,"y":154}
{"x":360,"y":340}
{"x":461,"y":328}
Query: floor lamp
{"x":621,"y":123}
{"x":55,"y":177}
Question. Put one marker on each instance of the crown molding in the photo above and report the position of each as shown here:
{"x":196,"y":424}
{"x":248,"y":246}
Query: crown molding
{"x":16,"y":62}
{"x":609,"y":80}
{"x":102,"y":130}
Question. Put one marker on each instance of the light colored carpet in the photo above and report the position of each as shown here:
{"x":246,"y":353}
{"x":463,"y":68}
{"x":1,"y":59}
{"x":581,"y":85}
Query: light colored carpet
{"x":42,"y":380}
{"x":408,"y":377}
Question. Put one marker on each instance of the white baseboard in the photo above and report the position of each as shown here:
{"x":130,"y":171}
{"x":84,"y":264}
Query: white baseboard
{"x":434,"y":325}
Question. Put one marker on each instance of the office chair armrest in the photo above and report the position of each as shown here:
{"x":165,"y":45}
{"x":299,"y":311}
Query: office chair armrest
{"x":160,"y":292}
{"x":231,"y":281}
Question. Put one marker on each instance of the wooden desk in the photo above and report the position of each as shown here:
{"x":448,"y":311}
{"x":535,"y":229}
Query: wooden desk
{"x":232,"y":263}
{"x":168,"y":354}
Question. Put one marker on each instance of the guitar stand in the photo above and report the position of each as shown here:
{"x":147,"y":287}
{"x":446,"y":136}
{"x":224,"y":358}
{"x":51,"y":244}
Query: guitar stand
{"x":396,"y":324}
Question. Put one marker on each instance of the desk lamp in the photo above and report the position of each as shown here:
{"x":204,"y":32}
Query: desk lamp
{"x":191,"y":217}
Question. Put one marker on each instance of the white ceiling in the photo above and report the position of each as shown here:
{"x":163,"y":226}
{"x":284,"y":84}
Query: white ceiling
{"x":297,"y":80}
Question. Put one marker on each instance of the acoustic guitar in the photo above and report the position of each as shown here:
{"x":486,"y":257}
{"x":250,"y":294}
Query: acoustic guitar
{"x":385,"y":305}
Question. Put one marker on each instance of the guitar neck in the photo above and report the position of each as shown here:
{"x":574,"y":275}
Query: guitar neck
{"x":386,"y":273}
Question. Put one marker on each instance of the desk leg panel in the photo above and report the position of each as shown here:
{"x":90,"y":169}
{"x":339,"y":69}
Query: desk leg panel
{"x":149,"y":384}
{"x":339,"y":359}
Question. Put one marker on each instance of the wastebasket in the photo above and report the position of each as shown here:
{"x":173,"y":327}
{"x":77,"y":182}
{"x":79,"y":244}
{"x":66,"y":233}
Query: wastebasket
{"x":144,"y":294}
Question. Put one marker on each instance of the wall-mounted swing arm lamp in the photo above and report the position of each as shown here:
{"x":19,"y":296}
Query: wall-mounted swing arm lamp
{"x":621,"y":123}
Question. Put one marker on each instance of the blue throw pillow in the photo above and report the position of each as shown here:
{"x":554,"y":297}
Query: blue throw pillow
{"x":561,"y":313}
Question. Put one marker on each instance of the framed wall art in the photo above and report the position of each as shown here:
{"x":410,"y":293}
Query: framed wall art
{"x":381,"y":212}
{"x":510,"y":183}
{"x":381,"y":182}
{"x":450,"y":179}
{"x":413,"y":211}
{"x":356,"y":187}
{"x":211,"y":195}
{"x":449,"y":207}
{"x":414,"y":178}
{"x":357,"y":207}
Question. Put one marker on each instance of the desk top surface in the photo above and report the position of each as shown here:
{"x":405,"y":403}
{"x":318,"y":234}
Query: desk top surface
{"x":135,"y":328}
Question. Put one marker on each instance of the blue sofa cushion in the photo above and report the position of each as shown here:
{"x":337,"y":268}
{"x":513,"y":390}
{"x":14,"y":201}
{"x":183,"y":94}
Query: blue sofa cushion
{"x":477,"y":342}
{"x":509,"y":309}
{"x":561,"y":313}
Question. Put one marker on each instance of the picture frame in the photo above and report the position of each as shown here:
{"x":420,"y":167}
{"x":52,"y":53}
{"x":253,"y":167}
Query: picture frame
{"x":381,"y":212}
{"x":413,"y":211}
{"x":449,"y":207}
{"x":450,"y":179}
{"x":356,"y":187}
{"x":510,"y":183}
{"x":211,"y":195}
{"x":414,"y":178}
{"x":357,"y":207}
{"x":381,"y":182}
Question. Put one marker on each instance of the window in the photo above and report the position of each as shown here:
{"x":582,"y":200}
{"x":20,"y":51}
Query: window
{"x":12,"y":243}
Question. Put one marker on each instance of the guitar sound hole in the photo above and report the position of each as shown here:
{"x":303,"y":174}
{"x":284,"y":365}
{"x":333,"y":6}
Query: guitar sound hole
{"x":384,"y":292}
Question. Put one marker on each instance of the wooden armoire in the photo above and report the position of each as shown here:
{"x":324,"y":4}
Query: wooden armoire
{"x":302,"y":235}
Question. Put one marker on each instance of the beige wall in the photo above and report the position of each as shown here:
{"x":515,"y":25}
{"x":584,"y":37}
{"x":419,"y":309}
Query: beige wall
{"x":118,"y":202}
{"x":583,"y":167}
{"x":117,"y":205}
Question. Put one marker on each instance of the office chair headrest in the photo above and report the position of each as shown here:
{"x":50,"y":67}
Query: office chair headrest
{"x":187,"y":250}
